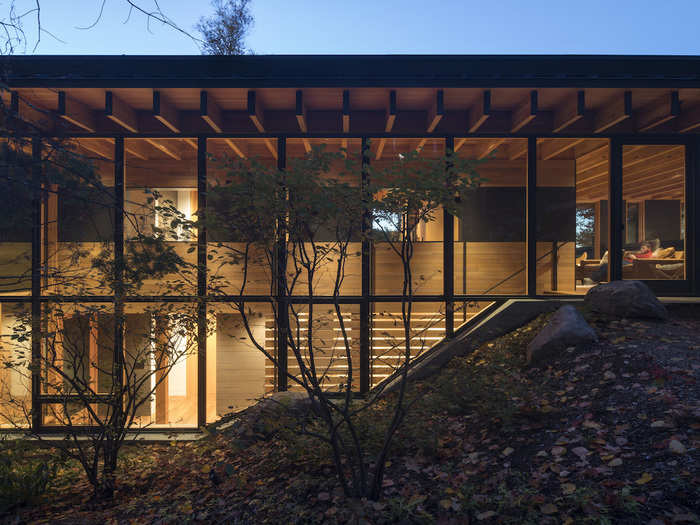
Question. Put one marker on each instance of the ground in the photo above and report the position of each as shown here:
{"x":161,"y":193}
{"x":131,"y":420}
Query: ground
{"x":609,"y":434}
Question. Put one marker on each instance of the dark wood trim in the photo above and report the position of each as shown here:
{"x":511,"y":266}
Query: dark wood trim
{"x":531,"y":238}
{"x":201,"y":282}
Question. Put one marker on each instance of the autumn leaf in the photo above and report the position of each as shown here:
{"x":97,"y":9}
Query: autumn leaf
{"x":549,"y":508}
{"x":568,"y":488}
{"x":644,"y":479}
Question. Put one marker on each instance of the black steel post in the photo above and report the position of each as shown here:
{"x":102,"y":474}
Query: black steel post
{"x":201,"y":282}
{"x":365,"y":305}
{"x":615,"y":216}
{"x":531,"y":216}
{"x":37,"y":194}
{"x":448,"y":253}
{"x":281,"y":278}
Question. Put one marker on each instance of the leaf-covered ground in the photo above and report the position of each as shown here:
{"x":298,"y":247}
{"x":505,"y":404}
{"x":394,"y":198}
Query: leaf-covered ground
{"x":609,"y":435}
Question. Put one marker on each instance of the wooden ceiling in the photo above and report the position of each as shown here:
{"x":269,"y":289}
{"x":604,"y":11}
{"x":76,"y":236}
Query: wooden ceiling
{"x":356,"y":111}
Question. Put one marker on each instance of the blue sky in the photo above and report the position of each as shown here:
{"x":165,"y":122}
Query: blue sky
{"x":389,"y":26}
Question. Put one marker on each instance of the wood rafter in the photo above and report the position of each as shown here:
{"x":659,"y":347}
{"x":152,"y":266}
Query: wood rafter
{"x":166,"y":147}
{"x":570,"y":112}
{"x":688,"y":120}
{"x":436,"y":111}
{"x":555,"y":147}
{"x":210,"y":112}
{"x":380,"y":149}
{"x":137,"y":148}
{"x":76,"y":113}
{"x":459,"y":143}
{"x":255,"y":112}
{"x":100,"y":147}
{"x":300,"y":111}
{"x":660,"y":111}
{"x":346,"y":111}
{"x":237,"y":150}
{"x":480,"y":113}
{"x":120,"y":112}
{"x":618,"y":110}
{"x":525,"y":113}
{"x":165,"y":112}
{"x":390,"y":112}
{"x":490,"y":148}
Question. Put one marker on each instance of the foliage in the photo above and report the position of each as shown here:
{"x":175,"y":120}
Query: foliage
{"x":24,"y":478}
{"x":224,"y":32}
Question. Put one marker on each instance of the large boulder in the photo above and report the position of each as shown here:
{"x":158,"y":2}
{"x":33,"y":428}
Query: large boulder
{"x":566,"y":328}
{"x":631,"y":299}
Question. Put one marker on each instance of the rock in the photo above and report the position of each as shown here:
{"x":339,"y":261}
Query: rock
{"x":676,"y":447}
{"x":632,"y":299}
{"x":566,"y":328}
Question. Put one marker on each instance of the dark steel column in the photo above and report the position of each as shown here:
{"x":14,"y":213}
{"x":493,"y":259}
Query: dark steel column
{"x":615,"y":215}
{"x":118,"y":366}
{"x":531,"y":216}
{"x":692,"y":221}
{"x":448,"y":254}
{"x":365,"y":306}
{"x":282,"y":304}
{"x":37,"y":194}
{"x":201,"y":282}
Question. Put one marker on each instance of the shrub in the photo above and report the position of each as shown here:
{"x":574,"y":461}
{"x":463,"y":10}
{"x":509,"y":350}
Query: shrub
{"x":24,"y":476}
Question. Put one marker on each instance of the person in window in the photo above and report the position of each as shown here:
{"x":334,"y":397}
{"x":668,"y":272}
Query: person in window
{"x":645,"y":252}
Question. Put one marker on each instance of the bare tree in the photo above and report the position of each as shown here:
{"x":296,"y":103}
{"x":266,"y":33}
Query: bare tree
{"x":225,"y":31}
{"x":301,"y":223}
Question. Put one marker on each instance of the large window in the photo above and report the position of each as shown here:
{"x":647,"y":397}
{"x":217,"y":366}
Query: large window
{"x":160,"y":203}
{"x":572,"y":214}
{"x":490,"y":250}
{"x":653,"y":191}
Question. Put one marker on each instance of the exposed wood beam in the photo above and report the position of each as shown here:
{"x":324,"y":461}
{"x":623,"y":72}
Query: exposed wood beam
{"x":570,"y":112}
{"x":307,"y":145}
{"x":301,"y":112}
{"x":271,"y":147}
{"x":165,"y":112}
{"x":554,"y":147}
{"x":137,"y":148}
{"x":346,"y":111}
{"x":459,"y":143}
{"x":665,"y":108}
{"x":168,"y":149}
{"x":490,"y":148}
{"x":480,"y":113}
{"x":517,"y":150}
{"x":436,"y":111}
{"x":391,"y":112}
{"x":618,"y":110}
{"x":210,"y":112}
{"x":192,"y":143}
{"x":97,"y":146}
{"x":76,"y":112}
{"x":421,"y":144}
{"x":255,"y":112}
{"x":231,"y":144}
{"x":688,"y":120}
{"x":525,"y":114}
{"x":380,"y":149}
{"x":120,"y":112}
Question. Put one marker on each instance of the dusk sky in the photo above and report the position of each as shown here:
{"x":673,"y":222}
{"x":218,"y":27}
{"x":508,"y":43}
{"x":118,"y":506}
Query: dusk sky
{"x":388,"y":26}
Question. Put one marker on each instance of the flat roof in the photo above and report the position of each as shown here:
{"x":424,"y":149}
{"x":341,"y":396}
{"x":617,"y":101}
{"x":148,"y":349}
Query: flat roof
{"x":301,"y":71}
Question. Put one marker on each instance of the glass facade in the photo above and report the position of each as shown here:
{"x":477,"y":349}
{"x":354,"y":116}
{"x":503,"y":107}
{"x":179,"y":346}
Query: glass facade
{"x":214,"y":295}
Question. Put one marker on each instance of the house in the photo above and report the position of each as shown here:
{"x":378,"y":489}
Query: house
{"x":592,"y":174}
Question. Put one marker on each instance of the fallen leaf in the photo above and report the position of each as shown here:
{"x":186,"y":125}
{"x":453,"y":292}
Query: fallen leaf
{"x":644,"y":479}
{"x":568,"y":488}
{"x":549,"y":508}
{"x":507,"y":451}
{"x":485,"y":515}
{"x":615,"y":462}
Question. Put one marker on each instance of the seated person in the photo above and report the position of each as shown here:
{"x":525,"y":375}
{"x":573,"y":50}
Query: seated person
{"x":645,"y":252}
